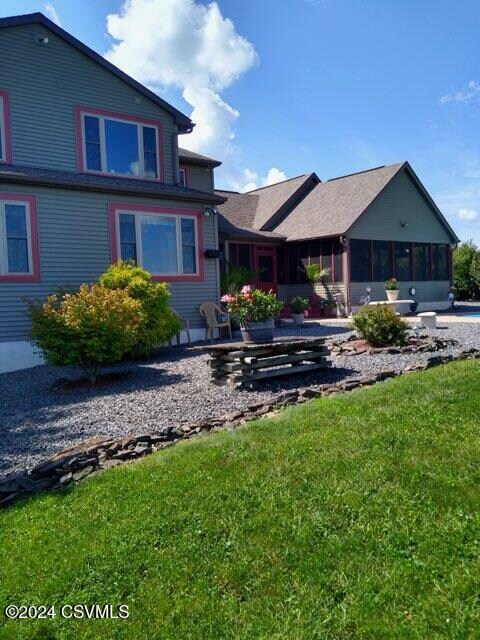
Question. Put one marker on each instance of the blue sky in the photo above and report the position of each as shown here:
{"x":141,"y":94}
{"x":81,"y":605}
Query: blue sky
{"x":333,"y":86}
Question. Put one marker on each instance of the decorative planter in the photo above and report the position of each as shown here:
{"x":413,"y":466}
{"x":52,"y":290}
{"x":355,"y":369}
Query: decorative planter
{"x":258,"y":332}
{"x":298,"y":319}
{"x":392,"y":294}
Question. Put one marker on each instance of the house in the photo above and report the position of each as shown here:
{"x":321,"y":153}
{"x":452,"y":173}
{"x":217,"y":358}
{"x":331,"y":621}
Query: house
{"x":364,"y":228}
{"x":90,"y":170}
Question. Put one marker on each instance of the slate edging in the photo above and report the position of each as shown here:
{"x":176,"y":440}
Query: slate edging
{"x":92,"y":456}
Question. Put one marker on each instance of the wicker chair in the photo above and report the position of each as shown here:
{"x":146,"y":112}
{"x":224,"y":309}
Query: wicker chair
{"x":185,"y":325}
{"x":215,"y":318}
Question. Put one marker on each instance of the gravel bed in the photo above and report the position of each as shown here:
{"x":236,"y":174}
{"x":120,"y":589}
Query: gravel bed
{"x":174,"y":387}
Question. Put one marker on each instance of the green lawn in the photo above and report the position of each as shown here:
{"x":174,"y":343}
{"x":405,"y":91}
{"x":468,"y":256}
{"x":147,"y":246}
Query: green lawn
{"x":354,"y":516}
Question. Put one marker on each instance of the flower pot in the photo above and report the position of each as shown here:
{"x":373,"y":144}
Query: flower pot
{"x":258,"y":332}
{"x":392,"y":294}
{"x":298,"y":319}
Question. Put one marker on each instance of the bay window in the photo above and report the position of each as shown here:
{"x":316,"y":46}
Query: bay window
{"x":18,"y":242}
{"x":119,"y":145}
{"x":165,"y":242}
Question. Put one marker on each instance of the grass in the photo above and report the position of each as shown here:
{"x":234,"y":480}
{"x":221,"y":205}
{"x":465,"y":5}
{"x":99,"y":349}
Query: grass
{"x":354,"y":516}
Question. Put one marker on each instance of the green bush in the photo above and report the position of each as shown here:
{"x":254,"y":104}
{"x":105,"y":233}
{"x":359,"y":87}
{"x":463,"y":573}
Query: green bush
{"x":380,"y":326}
{"x":298,"y":304}
{"x":159,"y":322}
{"x":466,"y":271}
{"x":89,"y":328}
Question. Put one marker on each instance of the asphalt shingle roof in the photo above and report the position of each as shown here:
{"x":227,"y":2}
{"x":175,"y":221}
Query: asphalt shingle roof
{"x":252,"y":210}
{"x":333,"y":206}
{"x":69,"y":179}
{"x":197,"y":158}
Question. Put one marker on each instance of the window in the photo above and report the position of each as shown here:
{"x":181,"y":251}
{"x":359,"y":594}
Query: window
{"x":440,"y":262}
{"x":337,"y":261}
{"x":382,"y":262}
{"x":163,"y":241}
{"x":5,"y":143}
{"x":421,"y":261}
{"x":403,"y":261}
{"x":118,"y":145}
{"x":182,"y":177}
{"x":18,"y":241}
{"x":360,"y":260}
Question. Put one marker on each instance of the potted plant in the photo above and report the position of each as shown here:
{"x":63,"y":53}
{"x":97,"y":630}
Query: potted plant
{"x":254,"y":310}
{"x":298,"y":306}
{"x":391,"y":288}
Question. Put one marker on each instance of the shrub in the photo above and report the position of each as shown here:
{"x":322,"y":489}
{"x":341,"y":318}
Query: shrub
{"x":251,"y":305}
{"x":159,"y":322}
{"x":314,"y":274}
{"x":89,"y":328}
{"x":380,"y":326}
{"x":298,"y":304}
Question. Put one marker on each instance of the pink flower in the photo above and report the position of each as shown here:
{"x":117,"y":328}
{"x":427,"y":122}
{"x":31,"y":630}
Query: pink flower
{"x":246,"y":289}
{"x":227,"y":298}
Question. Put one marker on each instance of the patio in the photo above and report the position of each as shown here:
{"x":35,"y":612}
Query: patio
{"x":170,"y":389}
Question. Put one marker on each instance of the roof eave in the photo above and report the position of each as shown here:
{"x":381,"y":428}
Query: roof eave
{"x":183,"y":122}
{"x":198,"y":196}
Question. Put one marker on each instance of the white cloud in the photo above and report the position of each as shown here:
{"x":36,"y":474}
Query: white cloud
{"x":52,"y":13}
{"x":190,"y":46}
{"x":468,"y":214}
{"x":248,"y":180}
{"x":467,"y":94}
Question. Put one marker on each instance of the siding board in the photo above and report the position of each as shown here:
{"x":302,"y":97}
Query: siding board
{"x":75,"y":248}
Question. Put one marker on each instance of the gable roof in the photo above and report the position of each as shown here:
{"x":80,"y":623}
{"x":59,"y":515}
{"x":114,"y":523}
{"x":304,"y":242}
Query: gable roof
{"x":332,"y":207}
{"x":110,"y":184}
{"x":259,"y":209}
{"x":184,"y":123}
{"x":190,"y":157}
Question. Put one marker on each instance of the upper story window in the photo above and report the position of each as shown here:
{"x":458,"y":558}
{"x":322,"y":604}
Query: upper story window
{"x":182,"y":177}
{"x":5,"y":143}
{"x":166,"y":242}
{"x":119,"y":145}
{"x":18,"y":238}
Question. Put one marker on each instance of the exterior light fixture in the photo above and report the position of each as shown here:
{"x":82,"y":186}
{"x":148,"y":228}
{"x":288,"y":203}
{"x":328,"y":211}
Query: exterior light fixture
{"x":209,"y":211}
{"x":403,"y":224}
{"x":42,"y":39}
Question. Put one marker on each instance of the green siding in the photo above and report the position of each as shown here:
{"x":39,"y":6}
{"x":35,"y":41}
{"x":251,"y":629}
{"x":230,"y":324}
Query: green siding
{"x":45,"y":82}
{"x":401,"y":201}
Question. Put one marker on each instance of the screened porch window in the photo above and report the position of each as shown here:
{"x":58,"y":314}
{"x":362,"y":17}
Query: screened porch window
{"x":360,"y":260}
{"x":421,"y":261}
{"x":440,"y":262}
{"x":119,"y":147}
{"x":165,"y":245}
{"x":403,"y":261}
{"x":382,"y":262}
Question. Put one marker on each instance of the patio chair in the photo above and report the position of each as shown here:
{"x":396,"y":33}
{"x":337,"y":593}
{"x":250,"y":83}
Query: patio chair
{"x":185,"y":325}
{"x":215,"y":318}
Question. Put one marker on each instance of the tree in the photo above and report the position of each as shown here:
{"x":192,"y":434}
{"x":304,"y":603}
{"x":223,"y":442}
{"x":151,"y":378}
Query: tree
{"x":466,"y":260}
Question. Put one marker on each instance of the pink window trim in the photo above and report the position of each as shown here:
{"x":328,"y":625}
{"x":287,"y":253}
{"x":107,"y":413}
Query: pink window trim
{"x":183,"y":167}
{"x":32,"y":206}
{"x":6,"y":122}
{"x":113,"y":207}
{"x":81,"y":164}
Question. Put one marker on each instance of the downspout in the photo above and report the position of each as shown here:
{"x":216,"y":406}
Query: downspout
{"x":176,"y":164}
{"x":346,"y":272}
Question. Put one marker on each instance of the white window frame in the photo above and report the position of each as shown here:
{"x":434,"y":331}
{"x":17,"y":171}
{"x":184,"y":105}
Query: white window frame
{"x":103,"y":152}
{"x":178,"y":236}
{"x":3,"y":145}
{"x":184,"y":173}
{"x":3,"y":239}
